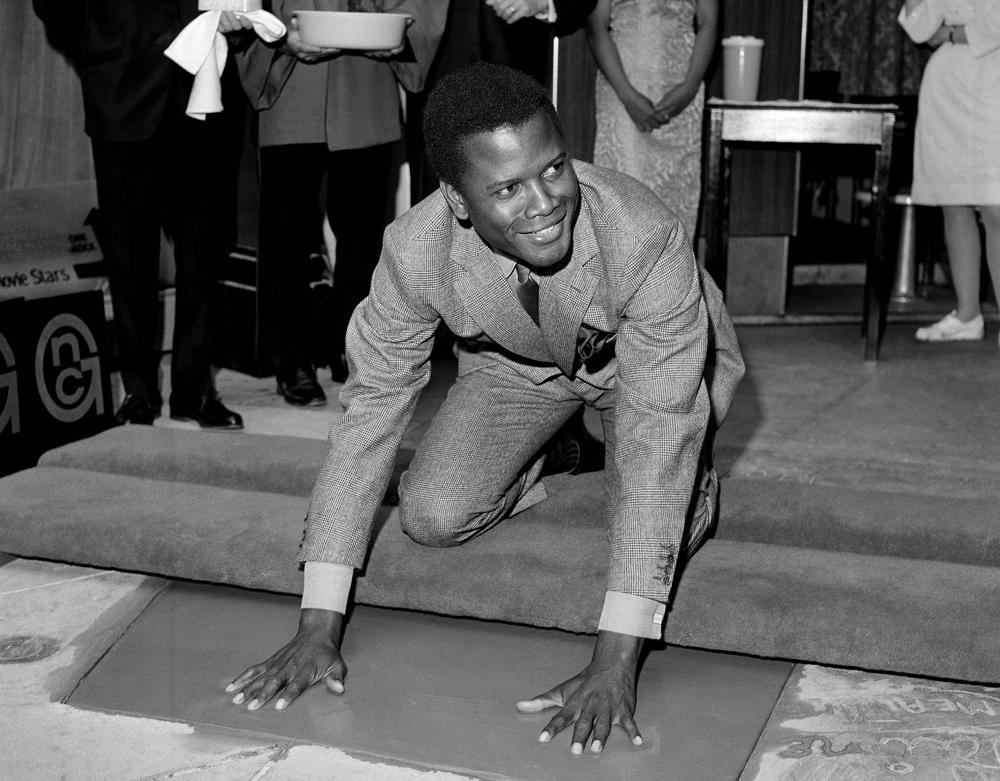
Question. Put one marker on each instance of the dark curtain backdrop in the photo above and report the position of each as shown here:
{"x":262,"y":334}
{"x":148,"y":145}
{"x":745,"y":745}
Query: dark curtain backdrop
{"x":862,"y":40}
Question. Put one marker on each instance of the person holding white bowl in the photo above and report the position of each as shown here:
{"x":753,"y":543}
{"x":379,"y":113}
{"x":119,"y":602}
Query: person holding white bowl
{"x":328,"y":114}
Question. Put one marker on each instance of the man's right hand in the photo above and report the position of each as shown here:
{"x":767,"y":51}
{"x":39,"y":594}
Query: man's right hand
{"x":313,"y":655}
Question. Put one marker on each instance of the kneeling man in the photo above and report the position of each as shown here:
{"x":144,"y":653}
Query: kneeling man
{"x":565,"y":285}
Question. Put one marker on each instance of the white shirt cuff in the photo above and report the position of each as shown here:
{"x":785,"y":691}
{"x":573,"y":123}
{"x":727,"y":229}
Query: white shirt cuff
{"x":326,"y":586}
{"x":627,"y":614}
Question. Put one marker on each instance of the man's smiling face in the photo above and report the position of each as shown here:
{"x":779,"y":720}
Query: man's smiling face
{"x":519,"y":191}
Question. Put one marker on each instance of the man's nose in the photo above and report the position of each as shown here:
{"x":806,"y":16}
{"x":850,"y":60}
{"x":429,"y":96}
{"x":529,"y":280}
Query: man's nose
{"x":540,"y":202}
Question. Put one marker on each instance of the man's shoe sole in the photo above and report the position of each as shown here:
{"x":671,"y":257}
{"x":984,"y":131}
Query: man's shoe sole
{"x":207,"y":426}
{"x":301,"y":401}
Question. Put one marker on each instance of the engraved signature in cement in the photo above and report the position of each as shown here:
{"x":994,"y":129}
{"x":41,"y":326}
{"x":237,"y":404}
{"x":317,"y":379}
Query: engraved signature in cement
{"x":842,"y":725}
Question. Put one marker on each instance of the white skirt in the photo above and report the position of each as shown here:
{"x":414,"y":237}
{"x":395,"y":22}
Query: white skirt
{"x":957,"y":145}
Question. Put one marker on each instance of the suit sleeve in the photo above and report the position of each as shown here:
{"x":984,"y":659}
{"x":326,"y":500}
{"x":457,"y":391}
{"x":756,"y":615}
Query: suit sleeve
{"x":423,"y":37}
{"x":724,"y":367}
{"x":571,"y":15}
{"x":660,"y":417}
{"x":389,"y":344}
{"x":263,"y":68}
{"x":64,"y":24}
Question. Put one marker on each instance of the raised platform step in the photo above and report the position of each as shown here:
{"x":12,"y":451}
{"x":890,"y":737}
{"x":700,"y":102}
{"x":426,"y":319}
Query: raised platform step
{"x":768,"y":510}
{"x":543,"y":568}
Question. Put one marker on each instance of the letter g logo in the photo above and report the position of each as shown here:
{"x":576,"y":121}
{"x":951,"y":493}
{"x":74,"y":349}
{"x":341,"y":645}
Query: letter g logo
{"x":10,"y":410}
{"x":68,"y":369}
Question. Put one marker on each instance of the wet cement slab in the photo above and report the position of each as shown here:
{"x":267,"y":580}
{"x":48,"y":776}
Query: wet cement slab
{"x":847,"y":725}
{"x":434,"y":692}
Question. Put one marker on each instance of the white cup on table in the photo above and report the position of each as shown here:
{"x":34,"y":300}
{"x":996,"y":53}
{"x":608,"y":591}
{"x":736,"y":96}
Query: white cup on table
{"x":741,"y":57}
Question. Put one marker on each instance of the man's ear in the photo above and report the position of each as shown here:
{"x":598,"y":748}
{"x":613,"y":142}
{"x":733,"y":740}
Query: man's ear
{"x":455,"y":200}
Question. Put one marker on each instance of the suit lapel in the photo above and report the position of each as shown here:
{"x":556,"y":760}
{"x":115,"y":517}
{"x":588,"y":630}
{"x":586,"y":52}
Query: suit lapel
{"x":490,"y":300}
{"x":563,"y":298}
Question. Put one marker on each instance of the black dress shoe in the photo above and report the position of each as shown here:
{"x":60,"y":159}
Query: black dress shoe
{"x":573,"y":450}
{"x":301,"y":389}
{"x":562,"y":457}
{"x":338,"y":368}
{"x":136,"y":409}
{"x":211,"y":414}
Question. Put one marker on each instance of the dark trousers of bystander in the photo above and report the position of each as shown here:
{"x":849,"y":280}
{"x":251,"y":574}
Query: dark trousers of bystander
{"x":357,"y":192}
{"x":183,"y":180}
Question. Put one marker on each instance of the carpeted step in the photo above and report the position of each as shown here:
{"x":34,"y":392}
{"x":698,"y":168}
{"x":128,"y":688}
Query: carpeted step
{"x":767,"y":510}
{"x":254,"y":462}
{"x":285,"y":465}
{"x":843,"y":518}
{"x":546,"y":569}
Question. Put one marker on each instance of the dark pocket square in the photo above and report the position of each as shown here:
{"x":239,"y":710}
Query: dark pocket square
{"x":594,"y":348}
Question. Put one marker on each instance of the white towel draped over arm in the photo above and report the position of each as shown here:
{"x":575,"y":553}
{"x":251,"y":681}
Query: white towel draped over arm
{"x":202,"y":50}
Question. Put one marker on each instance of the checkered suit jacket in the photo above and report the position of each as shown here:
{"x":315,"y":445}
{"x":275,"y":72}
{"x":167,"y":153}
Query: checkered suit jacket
{"x":632,"y":273}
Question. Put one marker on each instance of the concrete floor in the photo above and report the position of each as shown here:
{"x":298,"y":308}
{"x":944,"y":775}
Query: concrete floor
{"x":925,"y":419}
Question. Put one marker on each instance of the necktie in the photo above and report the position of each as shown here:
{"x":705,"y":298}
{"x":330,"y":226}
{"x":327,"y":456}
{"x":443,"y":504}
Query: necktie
{"x":526,"y":289}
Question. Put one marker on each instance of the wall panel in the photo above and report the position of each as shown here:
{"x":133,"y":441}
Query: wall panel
{"x":42,"y":140}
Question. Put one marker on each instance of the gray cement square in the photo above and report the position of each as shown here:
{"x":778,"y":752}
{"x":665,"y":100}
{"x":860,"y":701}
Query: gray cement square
{"x":433,"y":692}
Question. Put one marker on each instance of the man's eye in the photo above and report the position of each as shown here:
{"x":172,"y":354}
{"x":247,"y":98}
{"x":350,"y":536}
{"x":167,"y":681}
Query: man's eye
{"x":506,"y":192}
{"x":555,"y":169}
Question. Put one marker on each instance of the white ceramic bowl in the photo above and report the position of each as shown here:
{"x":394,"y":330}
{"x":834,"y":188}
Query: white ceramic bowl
{"x":352,"y":30}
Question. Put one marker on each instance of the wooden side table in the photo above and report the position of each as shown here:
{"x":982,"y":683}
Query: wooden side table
{"x":796,"y":123}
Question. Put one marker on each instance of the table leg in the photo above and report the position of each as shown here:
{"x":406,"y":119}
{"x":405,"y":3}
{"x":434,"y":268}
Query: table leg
{"x":716,"y":201}
{"x":875,"y":289}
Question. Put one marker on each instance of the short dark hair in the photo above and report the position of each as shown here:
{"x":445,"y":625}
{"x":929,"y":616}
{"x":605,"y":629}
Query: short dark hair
{"x":479,"y":98}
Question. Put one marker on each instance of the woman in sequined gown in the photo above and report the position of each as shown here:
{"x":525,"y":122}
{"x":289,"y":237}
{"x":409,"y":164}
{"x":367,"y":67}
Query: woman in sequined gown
{"x":652,"y":56}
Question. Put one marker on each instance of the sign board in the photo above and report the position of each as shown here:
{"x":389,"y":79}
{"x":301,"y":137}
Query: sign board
{"x":47,"y":245}
{"x":14,"y":453}
{"x":55,"y":384}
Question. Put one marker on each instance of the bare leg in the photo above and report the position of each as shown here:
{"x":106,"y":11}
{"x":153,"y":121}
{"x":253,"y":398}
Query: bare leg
{"x":991,"y":220}
{"x":961,"y":234}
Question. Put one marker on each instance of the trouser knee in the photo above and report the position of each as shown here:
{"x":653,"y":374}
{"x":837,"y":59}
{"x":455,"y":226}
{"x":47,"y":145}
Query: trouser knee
{"x":435,"y":524}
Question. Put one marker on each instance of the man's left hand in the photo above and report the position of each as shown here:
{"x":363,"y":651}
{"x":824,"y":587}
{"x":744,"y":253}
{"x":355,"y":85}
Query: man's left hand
{"x":514,"y":10}
{"x":597,"y":698}
{"x":230,"y":22}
